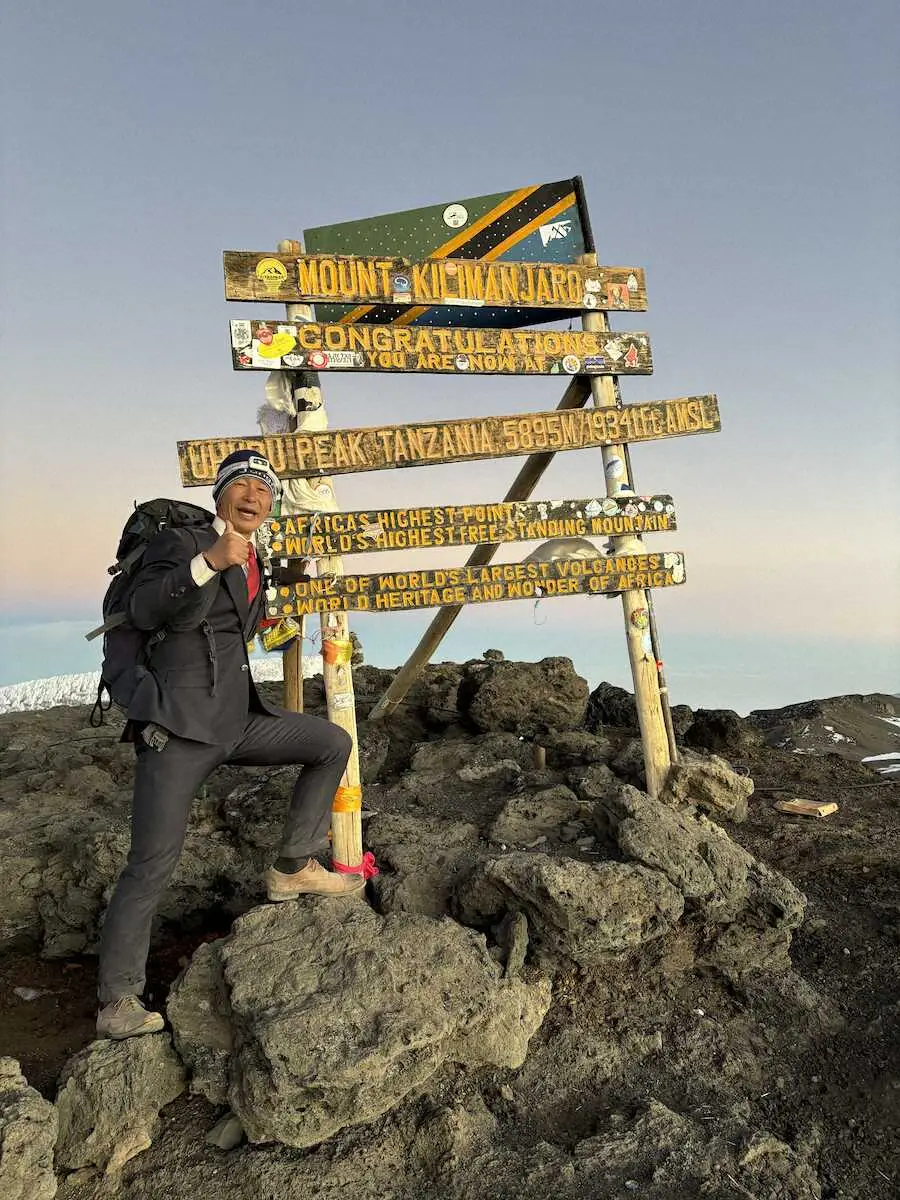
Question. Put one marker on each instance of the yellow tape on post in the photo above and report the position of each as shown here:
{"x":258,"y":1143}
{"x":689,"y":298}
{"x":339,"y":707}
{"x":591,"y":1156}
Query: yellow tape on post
{"x":347,"y":799}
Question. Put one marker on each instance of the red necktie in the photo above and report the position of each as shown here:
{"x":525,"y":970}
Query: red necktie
{"x":252,"y":576}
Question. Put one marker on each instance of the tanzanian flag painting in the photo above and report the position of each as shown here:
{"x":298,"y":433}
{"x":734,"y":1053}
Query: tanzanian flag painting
{"x":540,"y":223}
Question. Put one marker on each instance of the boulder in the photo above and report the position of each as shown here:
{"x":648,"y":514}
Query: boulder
{"x":694,"y":854}
{"x":538,"y":814}
{"x":200,"y":1016}
{"x":721,"y":731}
{"x":760,"y":937}
{"x":28,"y":1130}
{"x":566,"y":748}
{"x":577,"y":911}
{"x":109,"y":1100}
{"x":462,"y":777}
{"x":525,"y":698}
{"x":422,"y":859}
{"x":748,"y":909}
{"x":593,"y":783}
{"x":80,"y":875}
{"x":682,"y":720}
{"x":338,"y":1013}
{"x":609,"y":705}
{"x":374,"y":743}
{"x":710,"y":784}
{"x":628,"y":763}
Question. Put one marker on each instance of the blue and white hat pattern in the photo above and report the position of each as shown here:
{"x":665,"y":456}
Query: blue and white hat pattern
{"x":245,"y":462}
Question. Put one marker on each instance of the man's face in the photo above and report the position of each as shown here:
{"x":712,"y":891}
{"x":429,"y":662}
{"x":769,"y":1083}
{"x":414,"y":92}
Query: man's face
{"x":246,"y":503}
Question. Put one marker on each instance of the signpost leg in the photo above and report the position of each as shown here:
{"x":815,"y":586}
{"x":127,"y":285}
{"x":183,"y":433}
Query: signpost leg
{"x":346,"y":816}
{"x":644,"y":671}
{"x":292,"y":659}
{"x":575,"y":396}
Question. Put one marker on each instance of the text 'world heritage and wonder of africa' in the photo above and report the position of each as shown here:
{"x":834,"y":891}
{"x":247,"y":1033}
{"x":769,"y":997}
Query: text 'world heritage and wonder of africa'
{"x":396,"y":591}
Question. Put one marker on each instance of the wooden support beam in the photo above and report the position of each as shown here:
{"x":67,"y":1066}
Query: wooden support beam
{"x":346,"y":816}
{"x":637,"y":616}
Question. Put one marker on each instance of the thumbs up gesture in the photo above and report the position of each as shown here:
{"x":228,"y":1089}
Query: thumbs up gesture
{"x":230,"y":550}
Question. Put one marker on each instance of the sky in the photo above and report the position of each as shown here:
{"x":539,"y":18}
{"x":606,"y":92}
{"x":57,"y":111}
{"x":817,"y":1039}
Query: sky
{"x":744,"y":155}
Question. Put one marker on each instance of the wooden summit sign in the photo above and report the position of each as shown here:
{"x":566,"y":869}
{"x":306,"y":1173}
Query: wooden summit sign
{"x":294,"y":346}
{"x":346,"y":451}
{"x":351,"y":279}
{"x":316,"y":535}
{"x":395,"y":591}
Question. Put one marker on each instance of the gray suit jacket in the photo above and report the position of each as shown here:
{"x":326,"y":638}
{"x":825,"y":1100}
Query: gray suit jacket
{"x":198,"y":685}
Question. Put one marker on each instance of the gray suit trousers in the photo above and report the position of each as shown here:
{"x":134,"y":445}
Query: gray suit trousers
{"x":164,"y":788}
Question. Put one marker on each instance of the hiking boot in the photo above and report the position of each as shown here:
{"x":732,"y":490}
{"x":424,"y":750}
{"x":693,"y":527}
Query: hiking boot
{"x":127,"y":1017}
{"x":313,"y":879}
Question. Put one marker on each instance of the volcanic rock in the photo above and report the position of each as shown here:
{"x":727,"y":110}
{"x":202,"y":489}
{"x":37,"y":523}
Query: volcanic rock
{"x":109,"y":1100}
{"x":577,"y":912}
{"x":422,"y":859}
{"x":338,"y":1013}
{"x":538,"y":814}
{"x":28,"y":1129}
{"x":710,"y":784}
{"x":610,"y":705}
{"x":721,"y":731}
{"x":525,"y":698}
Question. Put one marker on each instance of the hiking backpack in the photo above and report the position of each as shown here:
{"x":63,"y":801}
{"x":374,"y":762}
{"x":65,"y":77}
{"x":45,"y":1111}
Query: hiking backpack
{"x":126,"y":650}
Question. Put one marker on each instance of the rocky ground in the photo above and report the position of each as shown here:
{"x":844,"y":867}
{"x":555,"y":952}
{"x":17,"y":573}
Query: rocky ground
{"x":555,"y":987}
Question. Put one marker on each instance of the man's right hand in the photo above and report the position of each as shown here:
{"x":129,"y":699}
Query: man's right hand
{"x":231,"y":550}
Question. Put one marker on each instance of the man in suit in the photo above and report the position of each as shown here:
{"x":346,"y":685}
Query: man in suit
{"x":196,"y":708}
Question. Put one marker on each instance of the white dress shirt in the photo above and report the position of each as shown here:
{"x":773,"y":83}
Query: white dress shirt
{"x":201,"y":571}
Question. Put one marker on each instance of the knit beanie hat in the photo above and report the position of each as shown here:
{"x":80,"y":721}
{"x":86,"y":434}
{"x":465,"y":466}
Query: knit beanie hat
{"x":245,"y":462}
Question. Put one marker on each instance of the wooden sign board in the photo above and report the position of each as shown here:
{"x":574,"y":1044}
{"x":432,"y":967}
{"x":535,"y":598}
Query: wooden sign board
{"x":348,"y":279}
{"x":349,"y":451}
{"x":314,"y":535}
{"x":396,"y":591}
{"x":292,"y":346}
{"x":538,"y":223}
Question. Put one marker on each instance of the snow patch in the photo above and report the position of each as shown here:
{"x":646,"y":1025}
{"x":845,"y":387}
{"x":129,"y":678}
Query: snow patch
{"x":82,"y":689}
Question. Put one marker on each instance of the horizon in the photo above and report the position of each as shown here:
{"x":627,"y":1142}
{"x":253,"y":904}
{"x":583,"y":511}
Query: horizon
{"x":709,"y":143}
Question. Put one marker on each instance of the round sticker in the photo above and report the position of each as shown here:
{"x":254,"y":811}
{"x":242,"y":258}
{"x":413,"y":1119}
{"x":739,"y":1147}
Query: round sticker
{"x":293,"y":360}
{"x":455,"y":215}
{"x":462,"y":362}
{"x":278,"y":344}
{"x":589,"y":300}
{"x":264,"y":335}
{"x":400,"y":283}
{"x":609,"y":507}
{"x":640,"y":618}
{"x":571,"y":363}
{"x":271,"y":271}
{"x":317,"y":359}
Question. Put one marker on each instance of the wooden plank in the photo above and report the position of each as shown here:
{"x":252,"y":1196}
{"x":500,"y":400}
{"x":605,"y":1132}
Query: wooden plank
{"x":436,"y":282}
{"x":308,"y":535}
{"x":349,"y":451}
{"x":397,"y":591}
{"x":291,"y":346}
